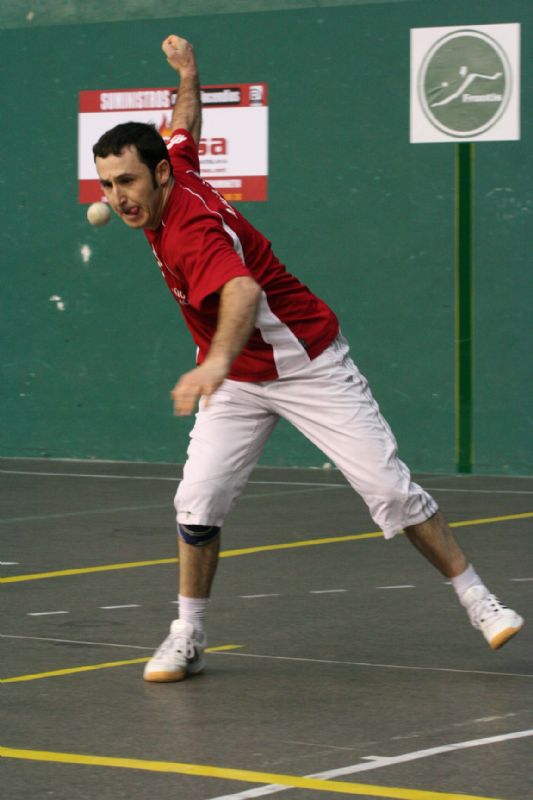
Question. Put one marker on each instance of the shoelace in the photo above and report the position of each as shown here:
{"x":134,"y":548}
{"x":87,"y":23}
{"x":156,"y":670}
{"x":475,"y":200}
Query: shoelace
{"x":177,"y":644}
{"x":486,"y":606}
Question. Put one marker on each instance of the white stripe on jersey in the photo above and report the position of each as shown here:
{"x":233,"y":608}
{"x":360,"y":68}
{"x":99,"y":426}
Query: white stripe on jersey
{"x":289,"y":354}
{"x":237,"y":246}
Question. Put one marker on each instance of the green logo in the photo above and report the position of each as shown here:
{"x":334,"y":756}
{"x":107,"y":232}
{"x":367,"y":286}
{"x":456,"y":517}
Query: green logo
{"x":464,"y":83}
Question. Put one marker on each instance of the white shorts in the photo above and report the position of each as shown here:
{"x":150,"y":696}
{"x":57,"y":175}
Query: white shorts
{"x":330,"y":402}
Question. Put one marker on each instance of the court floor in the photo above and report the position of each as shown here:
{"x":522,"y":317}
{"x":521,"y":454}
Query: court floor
{"x":339,"y":664}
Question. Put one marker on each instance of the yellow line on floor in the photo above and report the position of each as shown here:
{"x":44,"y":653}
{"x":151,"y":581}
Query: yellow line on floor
{"x":246,"y":550}
{"x":224,"y":554}
{"x":263,"y":548}
{"x":89,"y":668}
{"x":59,"y":573}
{"x":244,"y":775}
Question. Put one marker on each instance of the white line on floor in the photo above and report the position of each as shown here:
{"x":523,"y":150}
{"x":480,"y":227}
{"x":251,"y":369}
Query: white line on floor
{"x":127,"y":509}
{"x":259,"y":596}
{"x":281,"y":658}
{"x":82,"y":513}
{"x":379,"y":762}
{"x":74,"y":641}
{"x":162,"y":478}
{"x":478,"y":491}
{"x":45,"y":613}
{"x":266,"y":483}
{"x":415,"y":667}
{"x":400,"y":586}
{"x":86,"y":475}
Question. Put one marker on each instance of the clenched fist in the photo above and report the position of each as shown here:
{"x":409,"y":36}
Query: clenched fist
{"x":179,"y":53}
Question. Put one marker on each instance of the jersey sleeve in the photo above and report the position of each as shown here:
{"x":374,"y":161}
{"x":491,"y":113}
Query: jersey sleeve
{"x":208,"y":258}
{"x":183,"y":151}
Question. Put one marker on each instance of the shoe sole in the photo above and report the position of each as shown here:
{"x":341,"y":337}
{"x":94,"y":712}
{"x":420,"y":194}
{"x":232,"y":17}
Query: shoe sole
{"x":504,"y":636}
{"x":165,"y":677}
{"x":174,"y":677}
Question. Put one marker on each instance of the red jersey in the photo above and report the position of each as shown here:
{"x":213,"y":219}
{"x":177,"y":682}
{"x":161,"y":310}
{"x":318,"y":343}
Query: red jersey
{"x":203,"y":243}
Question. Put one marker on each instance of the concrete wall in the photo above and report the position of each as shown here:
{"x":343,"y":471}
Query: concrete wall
{"x":359,"y":214}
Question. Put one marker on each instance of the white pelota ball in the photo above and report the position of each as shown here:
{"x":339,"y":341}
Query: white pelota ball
{"x":98,"y":214}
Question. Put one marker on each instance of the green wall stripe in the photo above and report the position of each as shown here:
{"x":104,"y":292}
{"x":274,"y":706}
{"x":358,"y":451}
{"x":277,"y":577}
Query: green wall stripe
{"x":464,"y":173}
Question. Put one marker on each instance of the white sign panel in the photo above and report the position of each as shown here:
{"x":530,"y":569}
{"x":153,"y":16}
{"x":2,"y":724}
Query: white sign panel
{"x":465,"y":83}
{"x":233,"y":149}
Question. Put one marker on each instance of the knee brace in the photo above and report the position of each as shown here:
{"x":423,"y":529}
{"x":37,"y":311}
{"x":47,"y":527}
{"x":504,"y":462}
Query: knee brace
{"x":198,"y":535}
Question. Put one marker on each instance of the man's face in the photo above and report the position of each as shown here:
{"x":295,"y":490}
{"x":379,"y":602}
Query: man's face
{"x":129,"y":188}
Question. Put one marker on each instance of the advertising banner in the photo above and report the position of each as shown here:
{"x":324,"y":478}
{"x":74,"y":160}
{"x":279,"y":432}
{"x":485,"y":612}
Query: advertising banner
{"x":233,"y":149}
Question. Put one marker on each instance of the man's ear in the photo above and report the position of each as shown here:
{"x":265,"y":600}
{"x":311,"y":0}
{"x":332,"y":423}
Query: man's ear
{"x":163,"y":173}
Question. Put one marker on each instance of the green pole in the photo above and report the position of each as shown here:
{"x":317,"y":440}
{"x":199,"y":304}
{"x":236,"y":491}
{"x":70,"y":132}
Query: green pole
{"x":464,"y":171}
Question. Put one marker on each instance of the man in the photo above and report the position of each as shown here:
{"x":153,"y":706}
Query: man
{"x":267,"y":348}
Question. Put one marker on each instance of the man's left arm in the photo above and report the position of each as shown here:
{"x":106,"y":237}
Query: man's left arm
{"x":239,"y":299}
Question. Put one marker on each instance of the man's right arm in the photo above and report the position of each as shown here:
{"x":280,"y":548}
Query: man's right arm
{"x":239,"y":299}
{"x":187,"y":112}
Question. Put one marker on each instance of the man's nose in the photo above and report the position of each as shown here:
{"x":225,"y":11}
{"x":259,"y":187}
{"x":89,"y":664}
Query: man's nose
{"x":118,"y":196}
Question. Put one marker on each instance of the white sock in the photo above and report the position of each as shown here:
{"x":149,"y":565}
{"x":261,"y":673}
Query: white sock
{"x":193,"y":610}
{"x":461,"y":583}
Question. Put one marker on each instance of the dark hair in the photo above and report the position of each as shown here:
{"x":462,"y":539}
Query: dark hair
{"x":150,"y":145}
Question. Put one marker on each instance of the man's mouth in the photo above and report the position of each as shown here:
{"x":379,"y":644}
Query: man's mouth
{"x":131,"y":211}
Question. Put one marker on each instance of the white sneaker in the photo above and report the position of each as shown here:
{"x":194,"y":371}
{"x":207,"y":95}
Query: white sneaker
{"x":181,"y":654}
{"x":497,"y":623}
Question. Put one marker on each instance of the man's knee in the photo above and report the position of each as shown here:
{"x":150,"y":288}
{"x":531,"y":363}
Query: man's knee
{"x":399,"y":509}
{"x":201,"y":502}
{"x":198,"y":535}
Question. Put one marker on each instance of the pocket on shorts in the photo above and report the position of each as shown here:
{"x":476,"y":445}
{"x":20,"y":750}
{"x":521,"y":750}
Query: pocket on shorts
{"x":220,"y":397}
{"x":335,"y":354}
